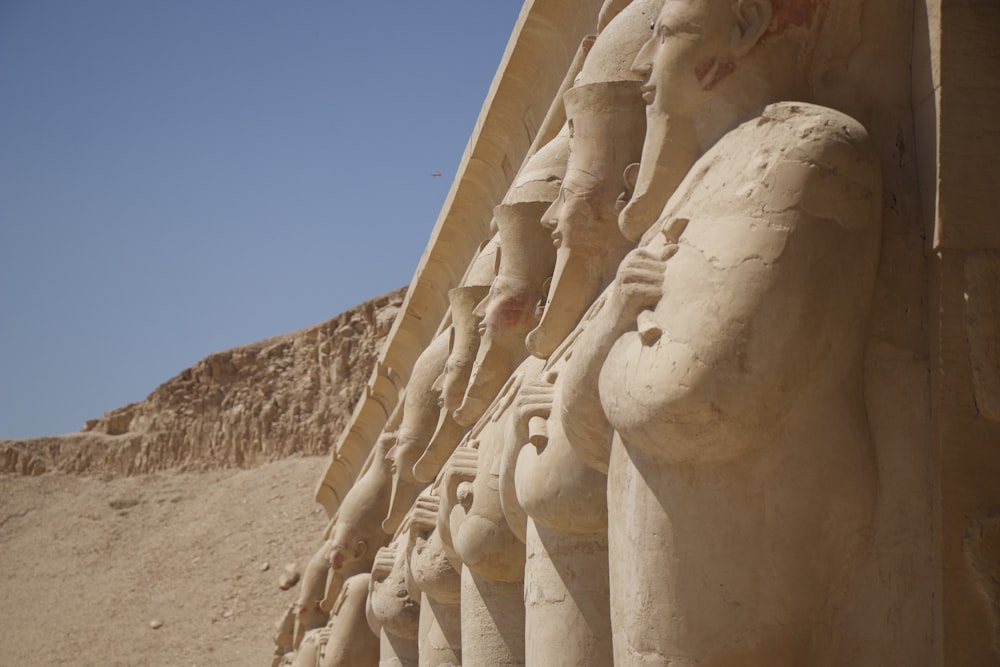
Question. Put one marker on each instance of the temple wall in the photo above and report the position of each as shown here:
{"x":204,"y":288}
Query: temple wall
{"x":957,"y":112}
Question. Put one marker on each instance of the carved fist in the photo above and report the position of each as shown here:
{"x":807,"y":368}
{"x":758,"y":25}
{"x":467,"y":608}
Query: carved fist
{"x":384,"y":560}
{"x":461,"y":468}
{"x":533,"y":406}
{"x":639,"y":283}
{"x":423,"y":515}
{"x":534,"y":400}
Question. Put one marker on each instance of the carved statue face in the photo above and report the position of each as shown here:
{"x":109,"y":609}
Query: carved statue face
{"x":404,"y":454}
{"x":697,"y":82}
{"x":687,"y":55}
{"x":420,"y":417}
{"x":574,"y":216}
{"x":577,"y":221}
{"x":696,"y":45}
{"x":608,"y":122}
{"x":524,"y":262}
{"x":451,"y":384}
{"x":343,"y":554}
{"x":508,"y":312}
{"x":450,"y":387}
{"x":506,"y":315}
{"x":463,"y":344}
{"x":357,"y":531}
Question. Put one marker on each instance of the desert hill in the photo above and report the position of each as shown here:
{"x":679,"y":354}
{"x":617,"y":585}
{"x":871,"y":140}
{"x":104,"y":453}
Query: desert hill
{"x":290,"y":394}
{"x":158,"y":535}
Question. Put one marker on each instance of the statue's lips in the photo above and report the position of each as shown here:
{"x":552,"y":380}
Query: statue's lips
{"x":648,"y":93}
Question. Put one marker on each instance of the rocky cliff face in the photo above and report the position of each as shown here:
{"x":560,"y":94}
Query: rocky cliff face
{"x":291,"y":394}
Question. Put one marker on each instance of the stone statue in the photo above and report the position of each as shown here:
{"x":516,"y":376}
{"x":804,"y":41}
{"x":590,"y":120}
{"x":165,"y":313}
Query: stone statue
{"x":283,"y":638}
{"x":440,"y":586}
{"x":394,"y":602}
{"x":355,"y":537}
{"x":566,"y":572}
{"x":309,"y":613}
{"x":728,"y":353}
{"x":473,"y":525}
{"x":745,"y":411}
{"x":427,"y":435}
{"x":433,"y":579}
{"x":525,"y":259}
{"x":454,"y":378}
{"x":393,"y":606}
{"x":418,"y":423}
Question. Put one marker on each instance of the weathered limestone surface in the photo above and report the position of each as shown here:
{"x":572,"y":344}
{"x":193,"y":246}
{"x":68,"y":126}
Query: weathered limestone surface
{"x":759,"y":424}
{"x":290,"y":394}
{"x":717,"y":384}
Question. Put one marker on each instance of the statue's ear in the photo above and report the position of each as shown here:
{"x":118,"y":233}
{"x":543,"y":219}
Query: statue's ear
{"x":360,"y":548}
{"x":752,"y":19}
{"x":629,"y":178}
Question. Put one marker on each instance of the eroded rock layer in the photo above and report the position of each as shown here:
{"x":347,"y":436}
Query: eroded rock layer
{"x":290,"y":394}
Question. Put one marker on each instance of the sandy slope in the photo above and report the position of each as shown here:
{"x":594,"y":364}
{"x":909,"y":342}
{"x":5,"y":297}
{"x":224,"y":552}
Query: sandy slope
{"x":86,"y":564}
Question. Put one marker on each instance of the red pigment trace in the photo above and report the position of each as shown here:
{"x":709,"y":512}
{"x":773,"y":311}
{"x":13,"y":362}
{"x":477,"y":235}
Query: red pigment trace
{"x":506,"y":314}
{"x":795,"y":14}
{"x":718,"y":71}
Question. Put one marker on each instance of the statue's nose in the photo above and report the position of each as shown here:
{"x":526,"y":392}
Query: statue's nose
{"x":643,"y":63}
{"x":550,"y":219}
{"x":480,"y":310}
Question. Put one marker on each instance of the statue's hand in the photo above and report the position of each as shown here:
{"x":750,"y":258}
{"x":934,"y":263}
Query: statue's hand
{"x":533,"y":404}
{"x":384,"y":560}
{"x":423,"y":515}
{"x":534,"y":400}
{"x":461,"y":467}
{"x":639,"y":283}
{"x":460,"y":470}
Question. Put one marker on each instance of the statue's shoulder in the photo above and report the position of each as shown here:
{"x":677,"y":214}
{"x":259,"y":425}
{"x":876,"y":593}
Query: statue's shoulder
{"x":828,"y":138}
{"x":792,"y":164}
{"x":817,"y":160}
{"x":353,"y":592}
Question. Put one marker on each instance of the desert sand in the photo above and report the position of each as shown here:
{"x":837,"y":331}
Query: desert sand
{"x":87,"y":565}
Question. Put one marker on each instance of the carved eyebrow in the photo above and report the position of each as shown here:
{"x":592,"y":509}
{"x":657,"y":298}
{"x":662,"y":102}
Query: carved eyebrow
{"x":567,"y":193}
{"x":579,"y":179}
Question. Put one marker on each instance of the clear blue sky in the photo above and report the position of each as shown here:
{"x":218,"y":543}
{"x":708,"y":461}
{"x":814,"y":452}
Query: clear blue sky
{"x":179,"y":177}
